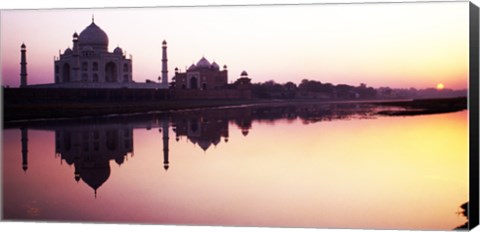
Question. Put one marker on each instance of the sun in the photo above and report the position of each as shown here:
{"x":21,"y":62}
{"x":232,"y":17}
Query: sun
{"x":440,"y":86}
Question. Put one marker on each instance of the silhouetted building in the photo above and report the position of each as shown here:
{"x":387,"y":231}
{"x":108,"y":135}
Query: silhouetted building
{"x":243,"y":83}
{"x":203,"y":75}
{"x":90,"y":61}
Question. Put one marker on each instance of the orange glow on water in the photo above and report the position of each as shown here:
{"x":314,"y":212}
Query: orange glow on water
{"x":384,"y":173}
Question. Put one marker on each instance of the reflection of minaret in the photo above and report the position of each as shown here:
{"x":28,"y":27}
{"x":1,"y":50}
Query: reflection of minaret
{"x":23,"y":66}
{"x":164,"y":64}
{"x":24,"y":149}
{"x":165,"y":143}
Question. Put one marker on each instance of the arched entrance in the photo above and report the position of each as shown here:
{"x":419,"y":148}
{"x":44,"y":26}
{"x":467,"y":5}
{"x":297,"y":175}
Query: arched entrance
{"x":193,"y":83}
{"x":111,"y":72}
{"x":66,"y":73}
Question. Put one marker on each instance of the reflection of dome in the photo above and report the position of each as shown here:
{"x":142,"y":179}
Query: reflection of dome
{"x":216,"y":141}
{"x":93,"y":36}
{"x":95,"y":176}
{"x":204,"y":144}
{"x":203,"y":63}
{"x":119,"y":160}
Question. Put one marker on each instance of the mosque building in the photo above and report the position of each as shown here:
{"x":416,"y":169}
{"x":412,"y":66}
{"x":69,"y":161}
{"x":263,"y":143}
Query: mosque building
{"x":203,"y":75}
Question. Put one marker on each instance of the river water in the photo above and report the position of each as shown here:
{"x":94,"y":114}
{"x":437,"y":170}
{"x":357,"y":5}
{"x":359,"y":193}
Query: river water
{"x":322,"y":166}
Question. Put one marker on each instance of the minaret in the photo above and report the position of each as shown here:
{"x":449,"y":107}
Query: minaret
{"x":76,"y":58}
{"x":165,"y":143}
{"x":23,"y":66}
{"x":164,"y":64}
{"x":24,"y":149}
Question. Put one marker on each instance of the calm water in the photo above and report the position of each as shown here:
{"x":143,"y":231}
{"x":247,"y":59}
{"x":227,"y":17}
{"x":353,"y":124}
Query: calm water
{"x":325,"y":166}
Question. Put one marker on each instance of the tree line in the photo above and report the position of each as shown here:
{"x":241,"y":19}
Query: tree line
{"x":311,"y":89}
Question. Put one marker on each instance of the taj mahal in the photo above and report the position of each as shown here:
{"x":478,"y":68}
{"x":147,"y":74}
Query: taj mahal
{"x":89,"y":64}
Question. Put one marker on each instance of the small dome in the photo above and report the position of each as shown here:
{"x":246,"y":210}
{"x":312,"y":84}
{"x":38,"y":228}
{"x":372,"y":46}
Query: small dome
{"x":215,"y":65}
{"x":93,"y":36}
{"x":118,"y":50}
{"x":203,"y":63}
{"x":192,"y":67}
{"x":164,"y":42}
{"x":204,"y":144}
{"x":119,"y":160}
{"x":75,"y":35}
{"x":95,"y":176}
{"x":244,"y":74}
{"x":67,"y":51}
{"x":23,"y":46}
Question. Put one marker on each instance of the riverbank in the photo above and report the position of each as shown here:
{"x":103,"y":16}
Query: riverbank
{"x":425,"y":106}
{"x":53,"y":110}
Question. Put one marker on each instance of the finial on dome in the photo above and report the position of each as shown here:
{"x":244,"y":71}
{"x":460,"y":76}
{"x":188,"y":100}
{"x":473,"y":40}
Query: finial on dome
{"x":93,"y":18}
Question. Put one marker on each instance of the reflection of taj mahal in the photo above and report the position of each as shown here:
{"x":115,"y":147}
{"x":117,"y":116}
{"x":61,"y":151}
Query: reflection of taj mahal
{"x":91,"y":149}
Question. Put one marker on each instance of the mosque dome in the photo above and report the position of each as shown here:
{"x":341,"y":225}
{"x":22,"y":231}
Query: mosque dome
{"x":203,"y":63}
{"x":93,"y":36}
{"x":215,"y":65}
{"x":244,"y":74}
{"x":192,"y":67}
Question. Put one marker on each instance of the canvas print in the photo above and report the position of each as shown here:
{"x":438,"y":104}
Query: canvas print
{"x":333,"y":116}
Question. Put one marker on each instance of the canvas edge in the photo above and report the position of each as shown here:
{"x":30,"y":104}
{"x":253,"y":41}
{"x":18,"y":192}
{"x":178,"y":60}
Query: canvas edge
{"x":473,"y":206}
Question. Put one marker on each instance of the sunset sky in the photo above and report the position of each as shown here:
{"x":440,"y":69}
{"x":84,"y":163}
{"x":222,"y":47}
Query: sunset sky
{"x":397,"y":45}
